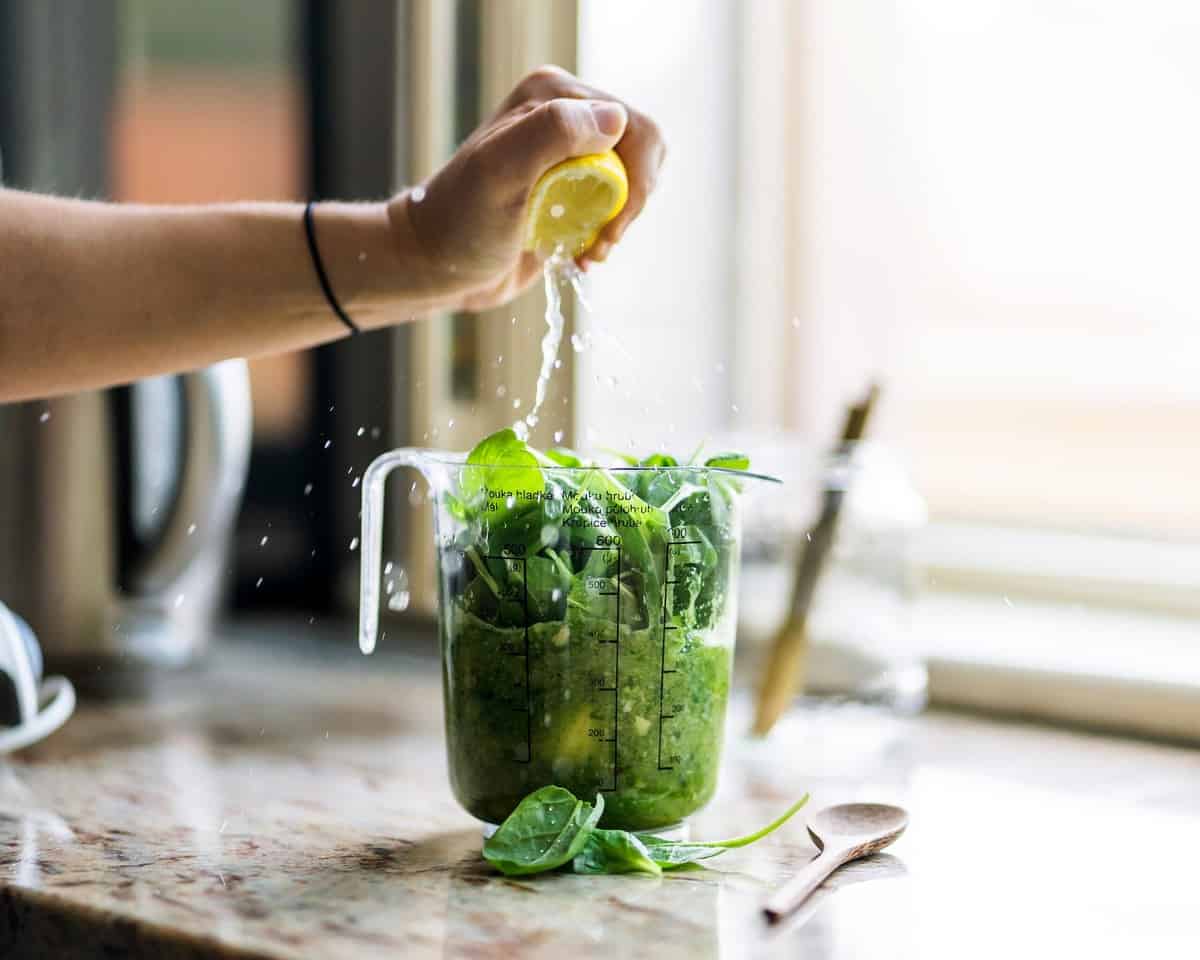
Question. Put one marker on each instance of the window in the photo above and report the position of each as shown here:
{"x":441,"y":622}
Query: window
{"x":988,"y":207}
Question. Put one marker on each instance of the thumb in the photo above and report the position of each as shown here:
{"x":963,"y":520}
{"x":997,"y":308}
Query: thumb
{"x":556,"y":130}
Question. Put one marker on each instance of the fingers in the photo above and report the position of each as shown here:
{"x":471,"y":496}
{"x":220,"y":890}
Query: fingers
{"x":535,"y":140}
{"x":641,"y":146}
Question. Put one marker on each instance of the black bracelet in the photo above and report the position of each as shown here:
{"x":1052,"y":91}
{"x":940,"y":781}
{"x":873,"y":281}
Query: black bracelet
{"x":320,"y":269}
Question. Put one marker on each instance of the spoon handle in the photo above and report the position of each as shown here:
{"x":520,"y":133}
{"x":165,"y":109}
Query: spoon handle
{"x":793,"y":893}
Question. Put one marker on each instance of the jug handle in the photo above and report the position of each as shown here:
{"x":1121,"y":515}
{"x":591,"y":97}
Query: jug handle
{"x":371,"y":546}
{"x":219,"y":428}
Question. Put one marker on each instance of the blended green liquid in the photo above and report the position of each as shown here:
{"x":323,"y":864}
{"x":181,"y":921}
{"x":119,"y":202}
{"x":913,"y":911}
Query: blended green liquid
{"x":664,"y":729}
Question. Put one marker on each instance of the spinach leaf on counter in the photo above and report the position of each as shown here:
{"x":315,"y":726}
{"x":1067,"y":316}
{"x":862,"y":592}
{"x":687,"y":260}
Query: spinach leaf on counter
{"x":670,"y":854}
{"x":548,"y":828}
{"x":615,"y":851}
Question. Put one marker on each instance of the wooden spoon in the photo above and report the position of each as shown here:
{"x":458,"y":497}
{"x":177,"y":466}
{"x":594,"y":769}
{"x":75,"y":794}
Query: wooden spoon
{"x":842,"y":833}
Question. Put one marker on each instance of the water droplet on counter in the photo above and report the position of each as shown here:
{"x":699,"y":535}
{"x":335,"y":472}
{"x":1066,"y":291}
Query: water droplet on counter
{"x":263,"y":541}
{"x":360,"y":431}
{"x":353,"y":543}
{"x":328,"y":444}
{"x":354,"y":482}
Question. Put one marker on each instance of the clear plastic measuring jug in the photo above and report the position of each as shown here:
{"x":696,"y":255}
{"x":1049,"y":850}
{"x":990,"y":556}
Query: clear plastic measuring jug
{"x":587,"y":619}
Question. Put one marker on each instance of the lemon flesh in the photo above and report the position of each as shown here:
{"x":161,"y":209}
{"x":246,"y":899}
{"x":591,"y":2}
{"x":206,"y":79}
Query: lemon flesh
{"x":572,"y":201}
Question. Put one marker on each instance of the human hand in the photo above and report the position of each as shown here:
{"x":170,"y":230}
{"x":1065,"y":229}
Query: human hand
{"x":465,"y":224}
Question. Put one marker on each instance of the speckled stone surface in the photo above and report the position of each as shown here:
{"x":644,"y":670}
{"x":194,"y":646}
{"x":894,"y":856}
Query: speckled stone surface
{"x":288,"y":804}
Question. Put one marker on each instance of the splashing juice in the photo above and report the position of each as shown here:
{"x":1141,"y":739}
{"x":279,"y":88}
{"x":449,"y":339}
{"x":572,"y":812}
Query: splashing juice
{"x":559,"y":269}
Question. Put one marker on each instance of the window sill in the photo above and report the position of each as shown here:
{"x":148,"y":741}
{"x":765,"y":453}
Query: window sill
{"x":1117,"y":670}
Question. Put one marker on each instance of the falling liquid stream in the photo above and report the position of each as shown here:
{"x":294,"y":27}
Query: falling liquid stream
{"x":557,"y":269}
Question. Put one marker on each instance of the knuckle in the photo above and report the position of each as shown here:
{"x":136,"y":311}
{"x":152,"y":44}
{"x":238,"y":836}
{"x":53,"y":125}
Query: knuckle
{"x":546,"y":74}
{"x":549,"y":71}
{"x":560,"y":117}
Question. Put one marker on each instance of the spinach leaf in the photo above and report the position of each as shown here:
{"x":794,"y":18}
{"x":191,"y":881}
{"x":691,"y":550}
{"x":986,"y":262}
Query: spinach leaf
{"x":670,"y":854}
{"x":729,"y":461}
{"x":565,"y":457}
{"x":548,"y":828}
{"x":551,"y":827}
{"x":503,"y":462}
{"x":614,"y":851}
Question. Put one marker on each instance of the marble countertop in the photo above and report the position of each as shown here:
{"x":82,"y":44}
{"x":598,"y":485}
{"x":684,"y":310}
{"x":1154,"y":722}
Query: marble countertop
{"x":287,"y":803}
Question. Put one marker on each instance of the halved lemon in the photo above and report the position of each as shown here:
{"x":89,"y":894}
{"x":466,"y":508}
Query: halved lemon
{"x":572,"y":201}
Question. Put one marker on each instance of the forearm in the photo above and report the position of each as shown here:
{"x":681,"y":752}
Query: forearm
{"x":95,"y":294}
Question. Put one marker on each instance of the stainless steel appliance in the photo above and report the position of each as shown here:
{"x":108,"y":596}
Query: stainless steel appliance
{"x":115,"y":515}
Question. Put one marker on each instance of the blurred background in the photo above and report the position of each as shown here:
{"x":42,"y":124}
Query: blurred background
{"x":985,"y":207}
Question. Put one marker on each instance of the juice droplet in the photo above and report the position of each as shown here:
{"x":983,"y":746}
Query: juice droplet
{"x":397,"y":592}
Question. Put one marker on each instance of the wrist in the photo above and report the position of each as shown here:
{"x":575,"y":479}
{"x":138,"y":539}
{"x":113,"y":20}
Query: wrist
{"x":377,"y":272}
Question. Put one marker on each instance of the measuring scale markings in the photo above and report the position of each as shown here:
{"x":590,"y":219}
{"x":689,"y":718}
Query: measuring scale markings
{"x":615,"y":689}
{"x":668,"y":582}
{"x":513,"y":555}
